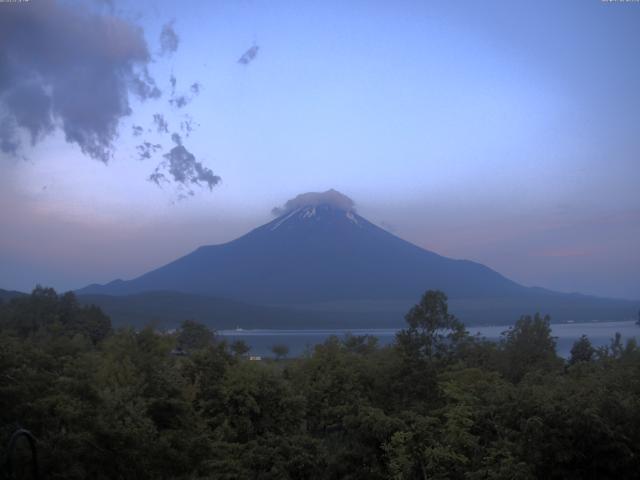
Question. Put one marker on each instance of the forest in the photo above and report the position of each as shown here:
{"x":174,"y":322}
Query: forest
{"x":438,"y":403}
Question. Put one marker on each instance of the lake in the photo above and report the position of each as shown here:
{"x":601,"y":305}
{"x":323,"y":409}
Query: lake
{"x":300,"y":341}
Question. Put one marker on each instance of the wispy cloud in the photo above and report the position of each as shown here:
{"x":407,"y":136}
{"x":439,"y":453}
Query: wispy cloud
{"x":563,"y":253}
{"x":169,"y":39}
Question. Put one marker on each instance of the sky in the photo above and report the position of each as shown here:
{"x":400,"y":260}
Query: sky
{"x":502,"y":132}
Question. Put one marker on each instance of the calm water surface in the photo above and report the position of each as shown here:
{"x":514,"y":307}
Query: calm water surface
{"x":300,"y":341}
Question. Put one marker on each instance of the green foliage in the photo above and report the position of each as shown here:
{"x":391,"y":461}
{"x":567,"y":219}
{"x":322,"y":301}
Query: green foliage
{"x":280,"y":351}
{"x":44,"y":314}
{"x":240,"y":348}
{"x":432,"y":333}
{"x":528,"y":346}
{"x":194,"y":336}
{"x":582,"y":351}
{"x":437,"y":404}
{"x":431,"y":340}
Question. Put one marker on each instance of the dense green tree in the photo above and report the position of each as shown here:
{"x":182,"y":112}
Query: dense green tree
{"x":529,"y":346}
{"x":582,"y":351}
{"x":240,"y":348}
{"x":432,"y":338}
{"x":193,"y":335}
{"x":280,"y":351}
{"x":437,"y":403}
{"x":362,"y":344}
{"x":432,"y":332}
{"x":46,"y":315}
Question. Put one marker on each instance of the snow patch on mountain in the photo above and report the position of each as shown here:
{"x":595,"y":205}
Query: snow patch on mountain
{"x":309,"y":212}
{"x":285,"y":219}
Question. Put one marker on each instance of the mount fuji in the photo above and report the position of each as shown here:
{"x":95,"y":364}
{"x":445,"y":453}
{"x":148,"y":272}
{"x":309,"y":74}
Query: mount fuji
{"x":320,"y":255}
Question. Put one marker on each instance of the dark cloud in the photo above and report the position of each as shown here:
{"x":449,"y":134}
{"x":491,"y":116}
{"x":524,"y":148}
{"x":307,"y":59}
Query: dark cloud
{"x":169,"y":39}
{"x":8,"y":142}
{"x":31,"y":108}
{"x":157,"y":177}
{"x":162,"y":126}
{"x":330,"y":197}
{"x":137,"y":130}
{"x":144,"y":86}
{"x":173,"y":81}
{"x":183,"y":168}
{"x":147,"y":149}
{"x":176,"y":138}
{"x":248,"y":56}
{"x":65,"y":67}
{"x":179,"y":101}
{"x":186,"y":126}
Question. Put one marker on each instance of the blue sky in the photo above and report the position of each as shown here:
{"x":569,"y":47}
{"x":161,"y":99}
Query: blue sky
{"x":502,"y":132}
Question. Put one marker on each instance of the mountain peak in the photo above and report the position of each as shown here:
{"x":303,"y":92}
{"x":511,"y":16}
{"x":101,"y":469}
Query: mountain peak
{"x":330,"y":198}
{"x":323,"y":213}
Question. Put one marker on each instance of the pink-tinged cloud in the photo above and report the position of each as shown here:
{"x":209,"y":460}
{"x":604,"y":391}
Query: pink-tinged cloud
{"x":563,"y":253}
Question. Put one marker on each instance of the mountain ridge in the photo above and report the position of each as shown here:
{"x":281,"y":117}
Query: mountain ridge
{"x":337,"y":254}
{"x":324,"y":253}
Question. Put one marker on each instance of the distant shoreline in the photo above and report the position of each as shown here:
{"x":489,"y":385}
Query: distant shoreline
{"x":300,"y":341}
